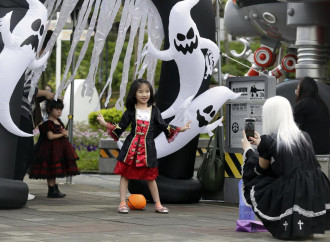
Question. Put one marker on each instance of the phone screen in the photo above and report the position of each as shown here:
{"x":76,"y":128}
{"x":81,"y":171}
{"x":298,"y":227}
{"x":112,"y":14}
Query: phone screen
{"x":249,"y":127}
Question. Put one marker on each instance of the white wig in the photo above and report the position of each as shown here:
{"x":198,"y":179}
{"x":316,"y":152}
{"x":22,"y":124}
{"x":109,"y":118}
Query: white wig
{"x":277,"y":118}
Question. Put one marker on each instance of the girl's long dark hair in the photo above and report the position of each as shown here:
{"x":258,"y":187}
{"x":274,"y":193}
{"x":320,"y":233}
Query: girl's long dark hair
{"x":131,"y":99}
{"x":308,"y":89}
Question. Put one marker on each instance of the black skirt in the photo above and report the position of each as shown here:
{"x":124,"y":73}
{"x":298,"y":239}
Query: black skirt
{"x":289,"y":206}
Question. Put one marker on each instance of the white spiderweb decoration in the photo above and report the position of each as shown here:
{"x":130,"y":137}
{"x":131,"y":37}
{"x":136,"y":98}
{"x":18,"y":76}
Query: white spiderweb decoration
{"x":138,"y":19}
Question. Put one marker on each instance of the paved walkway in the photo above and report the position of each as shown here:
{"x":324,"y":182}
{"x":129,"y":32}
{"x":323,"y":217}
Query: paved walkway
{"x":88,"y":213}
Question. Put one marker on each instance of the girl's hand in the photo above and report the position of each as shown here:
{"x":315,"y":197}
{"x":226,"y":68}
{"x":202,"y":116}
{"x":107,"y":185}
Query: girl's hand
{"x":256,"y":139}
{"x":185,"y":127}
{"x":101,"y":120}
{"x":65,"y":133}
{"x":245,"y":143}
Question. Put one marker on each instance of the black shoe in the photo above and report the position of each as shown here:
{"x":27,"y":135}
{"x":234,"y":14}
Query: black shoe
{"x":62,"y":194}
{"x":53,"y":192}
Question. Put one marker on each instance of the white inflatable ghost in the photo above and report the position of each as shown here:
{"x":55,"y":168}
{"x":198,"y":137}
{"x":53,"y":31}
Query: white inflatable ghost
{"x":18,"y":54}
{"x":185,"y":48}
{"x":200,"y":111}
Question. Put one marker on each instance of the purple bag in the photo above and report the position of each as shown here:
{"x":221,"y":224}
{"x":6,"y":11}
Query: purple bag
{"x":249,"y":226}
{"x":245,"y":212}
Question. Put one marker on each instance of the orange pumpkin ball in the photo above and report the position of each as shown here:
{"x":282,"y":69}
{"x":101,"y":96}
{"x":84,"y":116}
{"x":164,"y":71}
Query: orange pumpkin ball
{"x":136,"y":202}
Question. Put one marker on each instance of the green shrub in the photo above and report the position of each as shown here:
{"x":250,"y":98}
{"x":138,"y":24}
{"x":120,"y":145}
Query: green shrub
{"x":111,"y":115}
{"x":88,"y":160}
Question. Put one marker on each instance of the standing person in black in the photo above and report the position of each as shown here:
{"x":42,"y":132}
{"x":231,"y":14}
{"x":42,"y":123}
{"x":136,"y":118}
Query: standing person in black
{"x":30,"y":118}
{"x":312,"y":115}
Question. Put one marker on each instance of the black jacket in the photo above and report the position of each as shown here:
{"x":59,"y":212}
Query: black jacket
{"x":129,"y":117}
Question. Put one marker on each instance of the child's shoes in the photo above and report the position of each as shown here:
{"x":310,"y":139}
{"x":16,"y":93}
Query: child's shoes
{"x":54,"y":192}
{"x":122,"y":208}
{"x":161,"y":209}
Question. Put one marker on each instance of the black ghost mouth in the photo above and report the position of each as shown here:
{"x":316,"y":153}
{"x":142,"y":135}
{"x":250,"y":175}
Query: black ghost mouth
{"x":33,"y":40}
{"x":188,"y":48}
{"x":201,"y":120}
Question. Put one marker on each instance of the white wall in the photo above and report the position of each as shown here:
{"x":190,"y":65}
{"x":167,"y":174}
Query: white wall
{"x":83,"y":106}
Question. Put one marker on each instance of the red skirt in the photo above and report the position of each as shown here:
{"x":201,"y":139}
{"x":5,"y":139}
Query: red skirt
{"x":133,"y":172}
{"x":54,"y":158}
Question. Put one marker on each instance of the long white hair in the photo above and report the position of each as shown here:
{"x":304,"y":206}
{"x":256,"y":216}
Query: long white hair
{"x":277,"y":118}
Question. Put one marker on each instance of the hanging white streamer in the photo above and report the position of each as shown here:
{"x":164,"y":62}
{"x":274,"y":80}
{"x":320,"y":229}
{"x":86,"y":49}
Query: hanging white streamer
{"x":123,"y":26}
{"x":140,"y":42}
{"x":104,"y":13}
{"x":50,"y":11}
{"x":81,"y":24}
{"x":156,"y":33}
{"x":87,"y":40}
{"x":136,"y":17}
{"x":49,"y":4}
{"x":104,"y":25}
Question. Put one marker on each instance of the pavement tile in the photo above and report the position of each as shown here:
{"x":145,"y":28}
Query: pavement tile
{"x":89,"y":213}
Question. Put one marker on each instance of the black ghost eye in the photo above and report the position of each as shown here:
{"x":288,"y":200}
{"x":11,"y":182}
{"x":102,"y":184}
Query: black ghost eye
{"x":212,"y":114}
{"x":190,"y":34}
{"x":208,"y":109}
{"x":42,"y":29}
{"x":36,"y":25}
{"x":180,"y":37}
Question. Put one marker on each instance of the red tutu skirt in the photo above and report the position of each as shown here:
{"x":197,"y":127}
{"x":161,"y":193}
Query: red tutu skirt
{"x":133,"y":172}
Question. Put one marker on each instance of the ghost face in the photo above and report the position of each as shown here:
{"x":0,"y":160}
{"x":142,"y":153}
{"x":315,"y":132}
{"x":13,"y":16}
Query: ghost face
{"x":205,"y":116}
{"x":186,"y":42}
{"x":33,"y":40}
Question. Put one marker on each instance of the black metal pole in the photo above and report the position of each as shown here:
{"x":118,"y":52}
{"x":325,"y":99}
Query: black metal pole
{"x":71,"y":111}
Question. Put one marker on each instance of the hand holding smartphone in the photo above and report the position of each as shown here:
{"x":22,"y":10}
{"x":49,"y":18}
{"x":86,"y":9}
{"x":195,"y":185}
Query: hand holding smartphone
{"x":249,"y":127}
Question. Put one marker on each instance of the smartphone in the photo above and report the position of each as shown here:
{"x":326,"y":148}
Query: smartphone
{"x":249,"y":127}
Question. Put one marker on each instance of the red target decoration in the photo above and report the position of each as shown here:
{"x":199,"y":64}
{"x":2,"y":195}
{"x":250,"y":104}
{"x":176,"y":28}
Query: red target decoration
{"x":289,"y":63}
{"x":263,"y":57}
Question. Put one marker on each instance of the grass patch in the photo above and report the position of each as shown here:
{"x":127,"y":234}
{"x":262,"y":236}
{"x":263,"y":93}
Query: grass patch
{"x":88,"y":160}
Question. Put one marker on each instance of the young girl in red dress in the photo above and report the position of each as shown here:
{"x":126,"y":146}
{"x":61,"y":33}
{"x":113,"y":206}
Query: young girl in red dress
{"x":137,"y":158}
{"x":54,"y":156}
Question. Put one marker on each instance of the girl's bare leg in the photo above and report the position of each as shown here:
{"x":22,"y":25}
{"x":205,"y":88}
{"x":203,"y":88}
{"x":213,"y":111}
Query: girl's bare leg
{"x":123,"y":188}
{"x":154,"y":190}
{"x":155,"y":196}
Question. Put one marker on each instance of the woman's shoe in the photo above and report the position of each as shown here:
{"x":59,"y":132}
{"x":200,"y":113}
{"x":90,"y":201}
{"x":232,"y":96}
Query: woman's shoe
{"x":123,"y":208}
{"x":161,"y":209}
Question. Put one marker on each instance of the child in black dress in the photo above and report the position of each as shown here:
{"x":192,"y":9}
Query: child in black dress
{"x":55,"y":156}
{"x":137,"y":158}
{"x":284,"y":183}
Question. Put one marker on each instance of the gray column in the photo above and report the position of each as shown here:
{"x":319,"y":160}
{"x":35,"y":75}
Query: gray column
{"x":312,"y":20}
